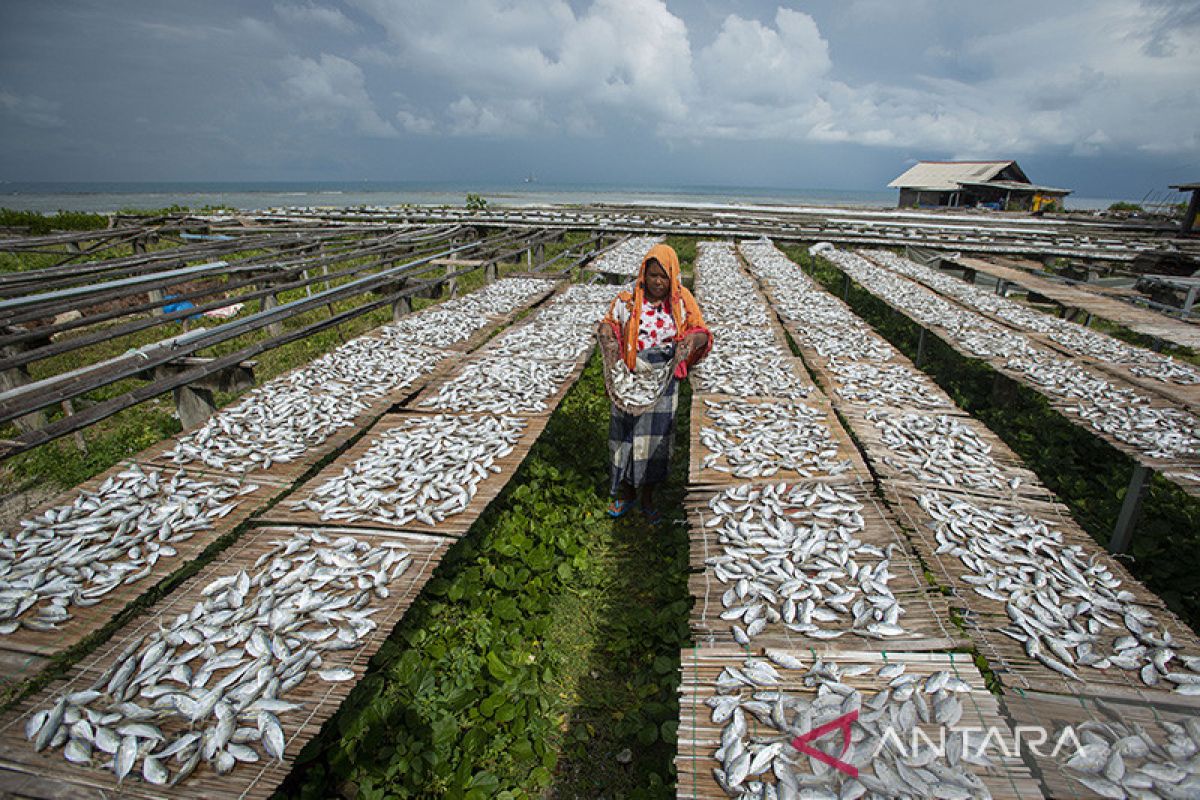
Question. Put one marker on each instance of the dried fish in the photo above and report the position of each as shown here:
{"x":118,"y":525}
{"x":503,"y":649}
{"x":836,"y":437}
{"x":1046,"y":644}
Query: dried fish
{"x":785,"y":700}
{"x":791,"y":556}
{"x":1127,"y":414}
{"x":112,"y":536}
{"x":1068,"y":609}
{"x":756,"y":440}
{"x":426,"y":469}
{"x":502,"y":385}
{"x":626,"y":257}
{"x":303,"y":585}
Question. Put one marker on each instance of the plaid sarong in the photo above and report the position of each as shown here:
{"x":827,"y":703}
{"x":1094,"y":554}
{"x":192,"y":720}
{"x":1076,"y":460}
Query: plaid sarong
{"x":640,"y":446}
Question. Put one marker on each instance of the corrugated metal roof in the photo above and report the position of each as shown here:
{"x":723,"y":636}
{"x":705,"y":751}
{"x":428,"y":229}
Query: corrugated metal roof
{"x":1186,"y":187}
{"x":944,"y":176}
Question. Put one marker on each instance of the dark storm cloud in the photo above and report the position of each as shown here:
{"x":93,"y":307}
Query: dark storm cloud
{"x":820,"y":94}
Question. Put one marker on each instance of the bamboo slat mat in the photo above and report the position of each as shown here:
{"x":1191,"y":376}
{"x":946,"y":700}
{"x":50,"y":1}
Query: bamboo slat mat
{"x":551,"y":400}
{"x":454,"y":526}
{"x":926,"y":616}
{"x":1068,"y":409}
{"x":1181,"y":395}
{"x":699,"y":475}
{"x":45,"y":774}
{"x":830,"y":381}
{"x":985,"y":617}
{"x":287,"y":473}
{"x":25,"y":650}
{"x":868,"y":433}
{"x":699,"y":737}
{"x":1053,"y":712}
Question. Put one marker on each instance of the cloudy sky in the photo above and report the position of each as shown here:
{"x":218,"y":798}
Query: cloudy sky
{"x":1102,"y":97}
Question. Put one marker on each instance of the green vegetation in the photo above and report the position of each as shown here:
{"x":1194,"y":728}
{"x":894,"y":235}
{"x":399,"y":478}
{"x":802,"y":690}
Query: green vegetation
{"x":1125,"y":206}
{"x":476,"y":202}
{"x":1086,"y":473}
{"x":546,"y":644}
{"x":41,"y":224}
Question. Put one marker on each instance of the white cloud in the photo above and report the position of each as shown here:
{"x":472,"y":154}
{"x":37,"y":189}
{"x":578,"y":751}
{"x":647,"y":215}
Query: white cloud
{"x":1047,"y":80}
{"x":628,"y":58}
{"x":312,"y":14}
{"x":751,"y":62}
{"x":333,"y":90}
{"x":31,"y":110}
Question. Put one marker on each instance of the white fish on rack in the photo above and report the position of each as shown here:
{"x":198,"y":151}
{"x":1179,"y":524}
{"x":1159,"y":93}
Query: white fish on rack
{"x":502,"y":385}
{"x":1068,"y":610}
{"x":1071,"y":335}
{"x":791,"y":556}
{"x":766,"y":703}
{"x":756,"y":440}
{"x":73,"y":555}
{"x":208,"y":685}
{"x":280,"y":421}
{"x":426,"y":469}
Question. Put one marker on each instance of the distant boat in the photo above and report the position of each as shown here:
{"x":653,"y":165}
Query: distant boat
{"x":531,"y":178}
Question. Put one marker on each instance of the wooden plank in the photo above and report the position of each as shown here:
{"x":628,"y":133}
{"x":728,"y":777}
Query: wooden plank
{"x":699,"y":737}
{"x":319,"y":699}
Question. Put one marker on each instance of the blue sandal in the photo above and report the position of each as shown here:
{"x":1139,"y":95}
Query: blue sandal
{"x":653,"y":515}
{"x":618,"y":507}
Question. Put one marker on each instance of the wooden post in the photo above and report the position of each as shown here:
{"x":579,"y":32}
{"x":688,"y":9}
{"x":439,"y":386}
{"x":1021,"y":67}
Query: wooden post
{"x":1189,"y":216}
{"x":845,"y":286}
{"x":1131,"y":508}
{"x":920,"y":348}
{"x":1002,"y":287}
{"x":194,"y":404}
{"x":452,"y":283}
{"x":1188,"y":302}
{"x":270,"y":301}
{"x":69,"y":408}
{"x":402,"y":306}
{"x":156,"y":297}
{"x":539,"y":252}
{"x":490,"y":272}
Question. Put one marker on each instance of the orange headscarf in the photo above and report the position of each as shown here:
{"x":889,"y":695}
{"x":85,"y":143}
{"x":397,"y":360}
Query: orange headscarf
{"x":685,"y":311}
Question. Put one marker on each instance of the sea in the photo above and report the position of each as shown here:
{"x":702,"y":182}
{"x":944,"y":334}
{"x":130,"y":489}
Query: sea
{"x":257,"y":196}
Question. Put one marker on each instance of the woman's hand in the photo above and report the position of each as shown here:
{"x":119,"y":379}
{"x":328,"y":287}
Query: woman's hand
{"x":692,"y":346}
{"x":610,"y":348}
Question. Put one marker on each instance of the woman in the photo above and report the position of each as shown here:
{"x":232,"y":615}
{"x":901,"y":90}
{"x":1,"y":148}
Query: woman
{"x":660,"y":323}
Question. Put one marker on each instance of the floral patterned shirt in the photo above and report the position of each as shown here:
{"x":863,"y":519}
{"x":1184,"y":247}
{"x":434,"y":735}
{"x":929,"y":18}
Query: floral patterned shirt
{"x":657,"y":326}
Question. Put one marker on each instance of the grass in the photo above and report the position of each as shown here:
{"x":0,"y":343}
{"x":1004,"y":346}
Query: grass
{"x":1086,"y":473}
{"x":546,"y":644}
{"x":40,"y":224}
